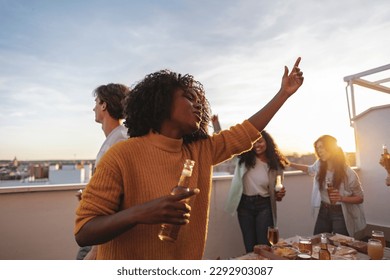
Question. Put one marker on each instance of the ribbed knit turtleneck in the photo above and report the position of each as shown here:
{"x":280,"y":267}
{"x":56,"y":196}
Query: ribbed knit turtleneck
{"x":164,"y":143}
{"x":141,"y":169}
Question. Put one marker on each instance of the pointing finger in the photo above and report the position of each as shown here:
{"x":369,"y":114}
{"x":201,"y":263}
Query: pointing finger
{"x":297,"y":62}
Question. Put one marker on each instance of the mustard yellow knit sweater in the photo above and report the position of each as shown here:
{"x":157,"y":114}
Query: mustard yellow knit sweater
{"x":144,"y":168}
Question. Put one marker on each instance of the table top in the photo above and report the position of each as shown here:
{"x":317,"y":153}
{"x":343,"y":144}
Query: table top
{"x":341,"y":248}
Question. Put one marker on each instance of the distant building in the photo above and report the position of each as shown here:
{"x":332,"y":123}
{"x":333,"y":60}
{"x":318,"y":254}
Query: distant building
{"x":39,"y":171}
{"x":70,"y":173}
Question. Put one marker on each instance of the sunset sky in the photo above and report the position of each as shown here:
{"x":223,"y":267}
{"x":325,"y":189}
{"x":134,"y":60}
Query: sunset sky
{"x":53,"y":54}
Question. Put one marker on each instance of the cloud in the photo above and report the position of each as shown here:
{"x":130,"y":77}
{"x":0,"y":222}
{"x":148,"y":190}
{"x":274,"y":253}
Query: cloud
{"x":54,"y":54}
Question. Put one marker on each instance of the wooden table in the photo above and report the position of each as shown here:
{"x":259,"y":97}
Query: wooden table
{"x":359,"y":255}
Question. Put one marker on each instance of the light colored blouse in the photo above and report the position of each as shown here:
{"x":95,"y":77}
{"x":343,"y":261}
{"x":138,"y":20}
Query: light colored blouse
{"x":353,"y":213}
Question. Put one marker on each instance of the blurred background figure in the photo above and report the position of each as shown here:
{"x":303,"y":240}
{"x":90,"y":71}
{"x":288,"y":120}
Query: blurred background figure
{"x":385,"y":162}
{"x":215,"y":123}
{"x":109,"y":113}
{"x":253,"y":193}
{"x":337,"y":190}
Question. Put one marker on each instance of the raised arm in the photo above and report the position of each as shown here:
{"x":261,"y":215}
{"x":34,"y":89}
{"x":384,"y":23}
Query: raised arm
{"x":215,"y":123}
{"x":290,"y":84}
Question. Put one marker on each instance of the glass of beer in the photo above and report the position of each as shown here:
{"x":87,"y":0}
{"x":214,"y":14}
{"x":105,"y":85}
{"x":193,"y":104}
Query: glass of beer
{"x":374,"y":249}
{"x":273,"y":235}
{"x":380,"y":235}
{"x":330,"y":189}
{"x":305,"y":245}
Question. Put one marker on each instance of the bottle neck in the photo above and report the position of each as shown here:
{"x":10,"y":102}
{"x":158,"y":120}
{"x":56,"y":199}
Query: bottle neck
{"x":184,"y":180}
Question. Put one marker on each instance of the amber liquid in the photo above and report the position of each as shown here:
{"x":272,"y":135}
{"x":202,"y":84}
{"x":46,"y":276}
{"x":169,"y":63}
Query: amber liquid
{"x":374,"y":250}
{"x":170,"y":232}
{"x":273,"y":235}
{"x":331,"y":190}
{"x":324,"y":254}
{"x":305,"y":246}
{"x":380,"y":237}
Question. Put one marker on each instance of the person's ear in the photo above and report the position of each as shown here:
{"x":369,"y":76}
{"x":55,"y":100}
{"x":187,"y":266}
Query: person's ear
{"x":104,"y":106}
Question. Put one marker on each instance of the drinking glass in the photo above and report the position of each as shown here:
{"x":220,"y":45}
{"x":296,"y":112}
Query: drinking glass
{"x":380,"y":235}
{"x":330,"y":189}
{"x":273,"y":235}
{"x":305,"y":245}
{"x":374,"y":249}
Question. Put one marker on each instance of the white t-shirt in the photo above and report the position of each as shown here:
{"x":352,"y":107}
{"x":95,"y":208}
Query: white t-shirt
{"x":256,"y":180}
{"x":115,"y":136}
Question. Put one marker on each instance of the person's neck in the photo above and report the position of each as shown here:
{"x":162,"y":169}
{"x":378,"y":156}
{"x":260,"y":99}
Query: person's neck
{"x":109,"y":124}
{"x":262,"y":157}
{"x":168,"y":130}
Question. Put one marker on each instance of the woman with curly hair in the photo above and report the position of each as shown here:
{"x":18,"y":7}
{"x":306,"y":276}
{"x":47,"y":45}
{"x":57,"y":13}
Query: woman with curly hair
{"x":253,"y":194}
{"x":341,"y":210}
{"x":128,"y":198}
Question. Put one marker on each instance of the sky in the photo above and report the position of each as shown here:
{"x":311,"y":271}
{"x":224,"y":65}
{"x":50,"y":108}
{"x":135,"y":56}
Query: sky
{"x":53,"y":54}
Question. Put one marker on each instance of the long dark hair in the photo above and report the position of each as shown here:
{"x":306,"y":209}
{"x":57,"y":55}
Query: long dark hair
{"x":150,"y":101}
{"x":275,"y":159}
{"x":337,"y":157}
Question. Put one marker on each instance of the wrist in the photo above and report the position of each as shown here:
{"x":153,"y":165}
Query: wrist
{"x":283,"y":94}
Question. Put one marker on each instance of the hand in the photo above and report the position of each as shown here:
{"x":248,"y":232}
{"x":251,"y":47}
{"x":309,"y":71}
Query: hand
{"x":334,"y":196}
{"x":280,"y":194}
{"x":170,"y":209}
{"x":385,"y":162}
{"x":291,"y":82}
{"x":79,"y":194}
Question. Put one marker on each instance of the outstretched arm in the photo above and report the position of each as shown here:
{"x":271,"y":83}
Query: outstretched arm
{"x":301,"y":167}
{"x":290,"y":84}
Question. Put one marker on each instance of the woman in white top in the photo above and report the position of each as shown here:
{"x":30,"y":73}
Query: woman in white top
{"x":341,"y":211}
{"x":252,"y":193}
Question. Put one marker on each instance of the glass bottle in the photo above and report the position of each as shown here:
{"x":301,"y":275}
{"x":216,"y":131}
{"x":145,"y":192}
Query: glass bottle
{"x":278,"y":185}
{"x":386,"y":156}
{"x":324,"y":253}
{"x":170,"y":232}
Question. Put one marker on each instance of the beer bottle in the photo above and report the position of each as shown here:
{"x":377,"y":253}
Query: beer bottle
{"x":170,"y":232}
{"x":324,"y":253}
{"x":386,"y":154}
{"x":278,"y":185}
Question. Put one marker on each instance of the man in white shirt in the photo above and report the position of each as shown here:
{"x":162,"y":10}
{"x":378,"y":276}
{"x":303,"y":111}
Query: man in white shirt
{"x":109,"y":112}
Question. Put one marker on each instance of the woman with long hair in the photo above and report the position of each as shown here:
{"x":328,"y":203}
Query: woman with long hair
{"x":337,"y":190}
{"x":253,"y":194}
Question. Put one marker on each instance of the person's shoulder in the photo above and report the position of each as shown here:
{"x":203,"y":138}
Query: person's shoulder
{"x":350,"y":171}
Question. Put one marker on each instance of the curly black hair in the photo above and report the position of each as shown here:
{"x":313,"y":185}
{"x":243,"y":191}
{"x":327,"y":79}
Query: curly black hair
{"x":150,"y":102}
{"x":275,"y":158}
